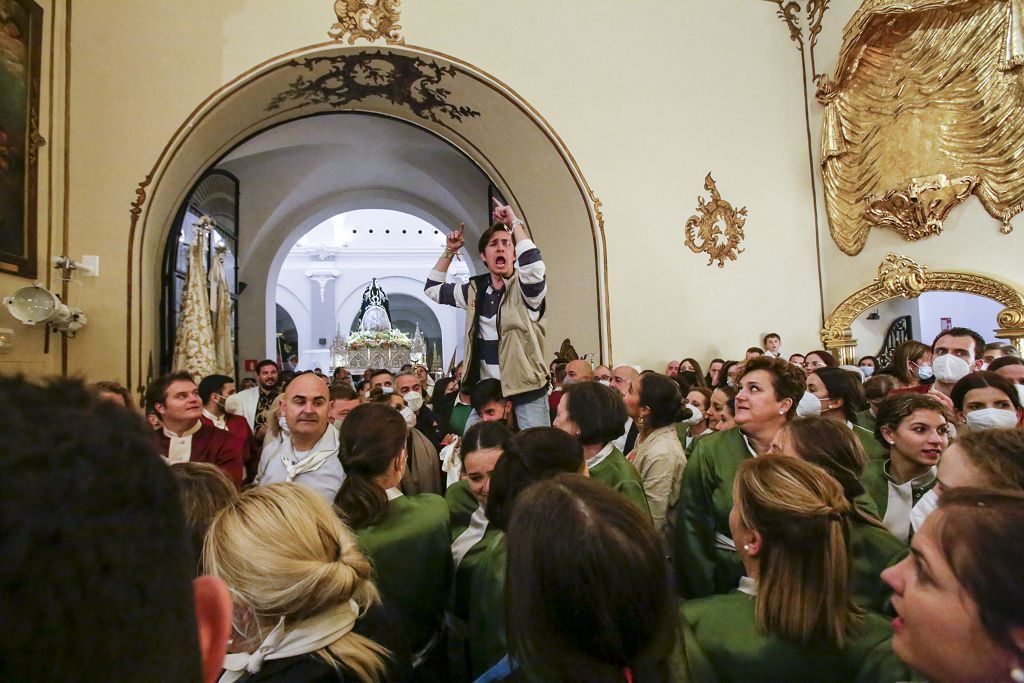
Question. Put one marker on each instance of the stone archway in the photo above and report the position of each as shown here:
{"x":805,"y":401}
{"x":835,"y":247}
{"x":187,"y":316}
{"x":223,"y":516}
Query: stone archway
{"x":461,"y":104}
{"x":901,"y":277}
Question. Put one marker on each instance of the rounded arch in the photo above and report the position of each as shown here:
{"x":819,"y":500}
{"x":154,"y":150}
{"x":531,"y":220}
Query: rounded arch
{"x":901,"y":277}
{"x":452,"y":99}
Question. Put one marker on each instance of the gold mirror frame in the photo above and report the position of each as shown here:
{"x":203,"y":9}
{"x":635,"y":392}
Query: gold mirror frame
{"x":901,"y":277}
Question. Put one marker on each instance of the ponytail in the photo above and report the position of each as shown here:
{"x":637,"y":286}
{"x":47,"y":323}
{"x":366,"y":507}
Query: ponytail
{"x":372,"y":436}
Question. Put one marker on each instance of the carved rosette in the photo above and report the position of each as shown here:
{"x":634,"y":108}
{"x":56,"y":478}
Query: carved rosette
{"x":717,"y":228}
{"x":901,"y":276}
{"x":367,"y":20}
{"x":920,"y":208}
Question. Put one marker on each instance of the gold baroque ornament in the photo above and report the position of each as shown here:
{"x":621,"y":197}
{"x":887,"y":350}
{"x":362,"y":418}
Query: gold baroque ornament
{"x":901,"y":277}
{"x":718,"y":229}
{"x":369,"y":20}
{"x":924,"y":90}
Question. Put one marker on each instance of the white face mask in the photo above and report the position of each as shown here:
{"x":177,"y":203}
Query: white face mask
{"x":809,"y":405}
{"x":696,"y":417}
{"x":604,"y":382}
{"x":867,"y":371}
{"x":387,"y":390}
{"x":1020,"y":393}
{"x":991,"y":418}
{"x":414,"y":399}
{"x":410,"y":417}
{"x":950,"y":369}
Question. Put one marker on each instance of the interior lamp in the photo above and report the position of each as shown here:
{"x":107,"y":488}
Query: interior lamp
{"x":36,"y":305}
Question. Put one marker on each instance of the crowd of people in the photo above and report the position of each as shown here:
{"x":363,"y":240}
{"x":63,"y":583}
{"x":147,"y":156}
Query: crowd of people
{"x":771,"y":519}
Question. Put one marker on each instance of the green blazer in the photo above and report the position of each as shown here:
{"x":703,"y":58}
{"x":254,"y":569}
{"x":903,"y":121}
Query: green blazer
{"x":410,"y":549}
{"x":461,"y":506}
{"x":705,"y":502}
{"x":866,"y":420}
{"x":722,"y":644}
{"x":486,"y":601}
{"x":874,"y":449}
{"x":876,"y":484}
{"x":620,"y":474}
{"x":872,"y":549}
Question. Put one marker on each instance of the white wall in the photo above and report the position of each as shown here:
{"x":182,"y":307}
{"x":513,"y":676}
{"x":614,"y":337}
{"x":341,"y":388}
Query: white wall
{"x":965,"y":310}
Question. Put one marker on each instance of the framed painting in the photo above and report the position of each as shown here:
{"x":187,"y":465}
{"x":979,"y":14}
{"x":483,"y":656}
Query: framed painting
{"x":21,"y":27}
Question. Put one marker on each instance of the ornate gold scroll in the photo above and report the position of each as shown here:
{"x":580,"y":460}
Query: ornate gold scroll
{"x":924,"y":89}
{"x":367,"y":19}
{"x":717,"y":229}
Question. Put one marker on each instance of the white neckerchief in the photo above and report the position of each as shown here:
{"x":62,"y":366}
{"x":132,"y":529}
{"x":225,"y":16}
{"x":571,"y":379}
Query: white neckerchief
{"x":600,"y":456}
{"x":305,"y":637}
{"x":748,"y":586}
{"x":393,"y":493}
{"x":219,"y":421}
{"x":451,"y":461}
{"x":901,"y":502}
{"x":750,"y":447}
{"x":318,"y":455}
{"x":471,"y":536}
{"x":180,"y":448}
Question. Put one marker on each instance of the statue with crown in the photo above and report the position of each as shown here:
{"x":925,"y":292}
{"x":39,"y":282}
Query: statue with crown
{"x":376,"y":344}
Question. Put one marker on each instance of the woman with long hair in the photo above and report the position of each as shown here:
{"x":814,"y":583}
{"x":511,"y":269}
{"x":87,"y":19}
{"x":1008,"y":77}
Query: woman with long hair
{"x":769,"y":391}
{"x":722,"y":409}
{"x":300,"y":589}
{"x":396,"y":530}
{"x":692,"y":365}
{"x":959,"y":596}
{"x":986,"y":400}
{"x":840,"y":395}
{"x":793,"y":617}
{"x":832,"y":447}
{"x":912,"y":363}
{"x":699,"y":398}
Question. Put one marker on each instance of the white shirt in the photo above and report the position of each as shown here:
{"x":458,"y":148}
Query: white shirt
{"x":218,"y":421}
{"x":180,"y":449}
{"x":620,"y":442}
{"x":318,"y":468}
{"x":901,"y":502}
{"x":600,"y":456}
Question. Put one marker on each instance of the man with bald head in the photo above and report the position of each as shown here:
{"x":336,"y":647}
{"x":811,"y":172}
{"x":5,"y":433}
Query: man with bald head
{"x":307,"y":453}
{"x":577,"y":371}
{"x":621,"y":378}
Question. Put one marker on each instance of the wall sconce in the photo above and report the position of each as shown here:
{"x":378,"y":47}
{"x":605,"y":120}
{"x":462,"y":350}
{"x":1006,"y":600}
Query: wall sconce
{"x":37,"y":305}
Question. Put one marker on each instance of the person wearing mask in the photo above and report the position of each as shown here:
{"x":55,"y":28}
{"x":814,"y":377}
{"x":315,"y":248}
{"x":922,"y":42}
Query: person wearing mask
{"x":304,"y":604}
{"x":253,"y":404}
{"x":912,"y":364}
{"x":656,"y":405}
{"x":396,"y":531}
{"x":793,"y":617}
{"x":797,"y":359}
{"x":422,"y":474}
{"x":214,"y":391}
{"x":986,"y":400}
{"x":714,"y":368}
{"x":382,"y":379}
{"x":621,"y":378}
{"x":868,"y":366}
{"x":832,"y":447}
{"x":306,"y":451}
{"x":409,"y":385}
{"x":722,"y":412}
{"x":532,"y":455}
{"x":990,"y":459}
{"x":699,"y":398}
{"x":916,"y":431}
{"x":692,"y":365}
{"x":876,"y":388}
{"x":594,"y":414}
{"x":183,"y":437}
{"x":965,"y":349}
{"x":630,"y":630}
{"x":1010,"y":367}
{"x":958,"y":594}
{"x":814,"y":360}
{"x":603,"y":374}
{"x":506,"y":313}
{"x":772,"y":345}
{"x":770,"y":389}
{"x":837,"y":394}
{"x":732,"y":372}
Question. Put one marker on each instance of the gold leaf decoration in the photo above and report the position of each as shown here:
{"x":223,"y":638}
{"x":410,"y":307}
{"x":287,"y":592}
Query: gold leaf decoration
{"x":368,"y":20}
{"x":717,"y":228}
{"x":919,"y":209}
{"x":923,"y":89}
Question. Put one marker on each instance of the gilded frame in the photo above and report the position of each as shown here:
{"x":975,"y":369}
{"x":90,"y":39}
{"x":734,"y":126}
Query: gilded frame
{"x":901,"y":277}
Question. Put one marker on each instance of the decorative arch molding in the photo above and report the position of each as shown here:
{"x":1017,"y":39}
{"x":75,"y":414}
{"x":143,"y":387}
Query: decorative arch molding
{"x":452,"y":99}
{"x":901,"y":277}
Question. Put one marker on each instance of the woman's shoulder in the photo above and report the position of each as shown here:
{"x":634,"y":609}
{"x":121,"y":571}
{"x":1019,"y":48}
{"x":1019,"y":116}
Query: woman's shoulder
{"x":307,"y":668}
{"x":735,"y":607}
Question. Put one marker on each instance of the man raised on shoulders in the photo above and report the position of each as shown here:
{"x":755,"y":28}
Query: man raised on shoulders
{"x":505,"y":320}
{"x":307,"y":453}
{"x":184,"y":437}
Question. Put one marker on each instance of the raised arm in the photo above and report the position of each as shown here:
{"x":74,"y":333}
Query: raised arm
{"x":452,"y":293}
{"x":532,"y":272}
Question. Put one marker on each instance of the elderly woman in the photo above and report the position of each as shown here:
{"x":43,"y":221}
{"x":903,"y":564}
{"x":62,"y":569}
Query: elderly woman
{"x":769,"y":391}
{"x":793,"y":617}
{"x":959,"y":595}
{"x":595,"y":414}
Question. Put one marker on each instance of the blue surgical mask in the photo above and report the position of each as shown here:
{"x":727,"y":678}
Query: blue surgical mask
{"x":867,"y":371}
{"x":924,"y":372}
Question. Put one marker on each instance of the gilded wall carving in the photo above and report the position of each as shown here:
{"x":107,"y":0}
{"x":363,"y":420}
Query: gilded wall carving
{"x":926,"y":108}
{"x":339,"y":80}
{"x":368,"y":20}
{"x":717,"y":228}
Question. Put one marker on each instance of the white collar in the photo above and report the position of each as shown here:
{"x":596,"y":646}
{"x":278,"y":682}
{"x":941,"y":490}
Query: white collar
{"x":748,"y":586}
{"x":393,"y":493}
{"x":473,"y":534}
{"x":186,"y":434}
{"x":318,"y":455}
{"x":600,"y":456}
{"x":746,"y":440}
{"x":215,"y":419}
{"x":915,"y":483}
